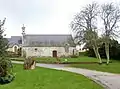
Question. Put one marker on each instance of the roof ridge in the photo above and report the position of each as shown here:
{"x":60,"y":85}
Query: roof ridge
{"x":15,"y":36}
{"x":48,"y":34}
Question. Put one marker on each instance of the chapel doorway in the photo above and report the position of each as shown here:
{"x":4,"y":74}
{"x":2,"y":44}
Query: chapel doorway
{"x":15,"y":49}
{"x":54,"y":53}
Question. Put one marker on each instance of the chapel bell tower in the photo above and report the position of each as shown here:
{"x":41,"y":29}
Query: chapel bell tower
{"x":23,"y":31}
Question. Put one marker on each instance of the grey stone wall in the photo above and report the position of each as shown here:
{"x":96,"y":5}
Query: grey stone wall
{"x":47,"y":51}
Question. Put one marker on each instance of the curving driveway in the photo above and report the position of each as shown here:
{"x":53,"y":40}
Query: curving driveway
{"x":107,"y":80}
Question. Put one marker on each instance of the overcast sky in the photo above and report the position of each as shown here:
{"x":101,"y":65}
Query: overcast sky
{"x":41,"y":16}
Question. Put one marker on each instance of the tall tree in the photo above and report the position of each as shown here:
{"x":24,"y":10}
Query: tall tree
{"x":84,"y":25}
{"x":110,"y":15}
{"x":6,"y":74}
{"x":3,"y":41}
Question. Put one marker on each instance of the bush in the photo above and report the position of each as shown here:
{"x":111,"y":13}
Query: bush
{"x":114,"y":50}
{"x":90,"y":53}
{"x":5,"y":63}
{"x":17,"y":59}
{"x":73,"y":56}
{"x":83,"y":53}
{"x":64,"y":56}
{"x":6,"y":73}
{"x":6,"y":79}
{"x":12,"y":54}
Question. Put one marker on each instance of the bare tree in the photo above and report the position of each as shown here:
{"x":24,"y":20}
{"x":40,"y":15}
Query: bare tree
{"x":84,"y":25}
{"x":110,"y":14}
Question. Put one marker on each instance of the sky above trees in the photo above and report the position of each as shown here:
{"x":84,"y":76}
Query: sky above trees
{"x":41,"y":16}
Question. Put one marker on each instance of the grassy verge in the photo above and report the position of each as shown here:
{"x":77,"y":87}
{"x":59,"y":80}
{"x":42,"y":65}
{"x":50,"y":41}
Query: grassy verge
{"x":42,"y":78}
{"x":82,"y":62}
{"x":113,"y":67}
{"x":62,"y":60}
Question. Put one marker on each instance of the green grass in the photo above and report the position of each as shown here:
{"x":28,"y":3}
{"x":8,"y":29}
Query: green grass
{"x":113,"y":67}
{"x":52,"y":60}
{"x":42,"y":78}
{"x":80,"y":59}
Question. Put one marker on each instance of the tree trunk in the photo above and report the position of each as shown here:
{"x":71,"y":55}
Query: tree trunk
{"x":107,"y":52}
{"x":97,"y":54}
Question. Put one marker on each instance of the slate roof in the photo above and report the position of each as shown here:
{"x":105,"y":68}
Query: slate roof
{"x":48,"y":40}
{"x":14,"y":40}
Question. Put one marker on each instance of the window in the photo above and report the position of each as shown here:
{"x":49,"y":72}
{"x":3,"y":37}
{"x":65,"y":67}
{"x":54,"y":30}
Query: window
{"x":36,"y":49}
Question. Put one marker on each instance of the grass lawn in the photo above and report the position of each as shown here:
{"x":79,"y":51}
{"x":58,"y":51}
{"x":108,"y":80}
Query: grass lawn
{"x":42,"y":78}
{"x":113,"y":67}
{"x":62,"y":60}
{"x":79,"y":59}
